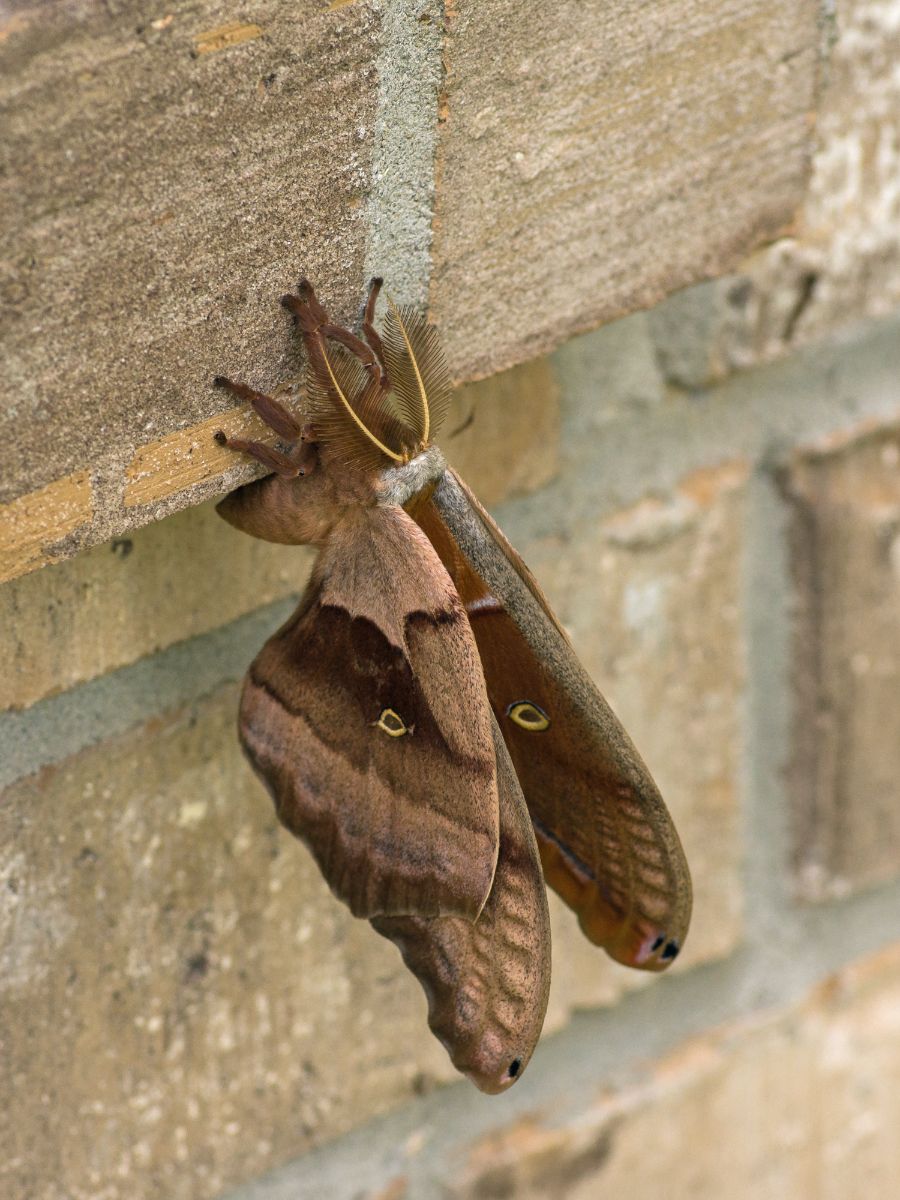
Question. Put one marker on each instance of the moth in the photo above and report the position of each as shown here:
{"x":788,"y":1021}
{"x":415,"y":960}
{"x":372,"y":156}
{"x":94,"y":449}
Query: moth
{"x":422,"y":722}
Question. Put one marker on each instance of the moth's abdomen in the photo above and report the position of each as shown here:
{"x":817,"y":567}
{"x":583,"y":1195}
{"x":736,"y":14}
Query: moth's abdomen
{"x":487,"y":982}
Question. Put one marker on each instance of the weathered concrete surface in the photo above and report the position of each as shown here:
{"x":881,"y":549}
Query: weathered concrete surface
{"x":596,"y":156}
{"x":842,"y":261}
{"x":164,"y":183}
{"x":845,"y":526}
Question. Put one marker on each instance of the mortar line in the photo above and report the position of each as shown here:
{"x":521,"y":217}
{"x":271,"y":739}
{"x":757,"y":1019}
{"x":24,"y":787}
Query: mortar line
{"x":401,"y":201}
{"x":770,"y":924}
{"x":58,"y":727}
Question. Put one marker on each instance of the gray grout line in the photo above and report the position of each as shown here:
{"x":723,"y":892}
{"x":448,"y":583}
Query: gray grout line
{"x":62,"y":725}
{"x":399,"y":216}
{"x":770,"y":927}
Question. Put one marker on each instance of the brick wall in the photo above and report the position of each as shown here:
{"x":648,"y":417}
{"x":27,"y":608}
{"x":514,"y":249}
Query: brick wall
{"x":708,"y":489}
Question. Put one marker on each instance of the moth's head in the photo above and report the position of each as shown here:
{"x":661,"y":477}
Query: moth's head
{"x":375,"y":404}
{"x":371,"y":411}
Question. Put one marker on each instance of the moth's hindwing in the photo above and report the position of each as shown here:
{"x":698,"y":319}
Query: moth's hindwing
{"x":607,"y":842}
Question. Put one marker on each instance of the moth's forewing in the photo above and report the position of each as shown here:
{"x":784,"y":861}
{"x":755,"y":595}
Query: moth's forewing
{"x":366,"y":715}
{"x":487,"y":981}
{"x":607,"y":842}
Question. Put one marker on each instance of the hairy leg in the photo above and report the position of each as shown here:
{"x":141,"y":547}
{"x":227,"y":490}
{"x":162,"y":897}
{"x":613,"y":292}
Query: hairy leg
{"x":368,"y":327}
{"x":274,"y":459}
{"x":275,"y":415}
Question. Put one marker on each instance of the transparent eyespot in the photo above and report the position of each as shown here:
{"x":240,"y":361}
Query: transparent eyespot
{"x":392,"y":723}
{"x":528,"y":716}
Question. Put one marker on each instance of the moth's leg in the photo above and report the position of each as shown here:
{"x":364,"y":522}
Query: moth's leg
{"x":310,"y":314}
{"x":313,"y":322}
{"x":275,"y":460}
{"x":364,"y":353}
{"x":308,"y":297}
{"x":275,"y":415}
{"x":368,"y":327}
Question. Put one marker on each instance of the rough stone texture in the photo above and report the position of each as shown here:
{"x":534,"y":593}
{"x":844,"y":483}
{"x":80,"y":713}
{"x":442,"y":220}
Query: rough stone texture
{"x":651,"y":598}
{"x":845,"y":264}
{"x":237,"y":152}
{"x":581,"y":150}
{"x":803,"y":1103}
{"x":188,"y":574}
{"x":178,"y":181}
{"x":182,"y":1002}
{"x":843,"y":261}
{"x":845,"y":514}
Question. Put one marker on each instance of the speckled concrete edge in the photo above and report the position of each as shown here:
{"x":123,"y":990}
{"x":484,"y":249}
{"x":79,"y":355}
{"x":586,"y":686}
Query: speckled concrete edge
{"x":187,"y":467}
{"x":401,"y":203}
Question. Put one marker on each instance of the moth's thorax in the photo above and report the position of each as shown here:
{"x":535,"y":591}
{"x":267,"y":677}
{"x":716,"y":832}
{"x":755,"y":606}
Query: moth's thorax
{"x":398,"y":485}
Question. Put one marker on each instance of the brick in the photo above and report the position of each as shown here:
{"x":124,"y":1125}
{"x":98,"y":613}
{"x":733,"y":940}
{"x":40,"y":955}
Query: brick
{"x":182,"y":1001}
{"x":841,"y":262}
{"x":579,"y":150}
{"x":651,"y":599}
{"x":845,"y":264}
{"x":844,"y":503}
{"x":191,"y":573}
{"x":123,"y":600}
{"x":802,"y":1102}
{"x":510,"y":443}
{"x":231,"y":164}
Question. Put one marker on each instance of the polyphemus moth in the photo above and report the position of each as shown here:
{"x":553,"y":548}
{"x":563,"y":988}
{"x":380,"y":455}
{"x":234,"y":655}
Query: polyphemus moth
{"x":422,"y":722}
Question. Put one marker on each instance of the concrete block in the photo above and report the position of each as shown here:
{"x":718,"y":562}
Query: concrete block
{"x":596,"y":156}
{"x":181,"y":174}
{"x":844,"y":503}
{"x":841,"y":262}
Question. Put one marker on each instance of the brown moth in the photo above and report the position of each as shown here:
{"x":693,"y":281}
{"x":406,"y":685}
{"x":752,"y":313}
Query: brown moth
{"x":422,"y":722}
